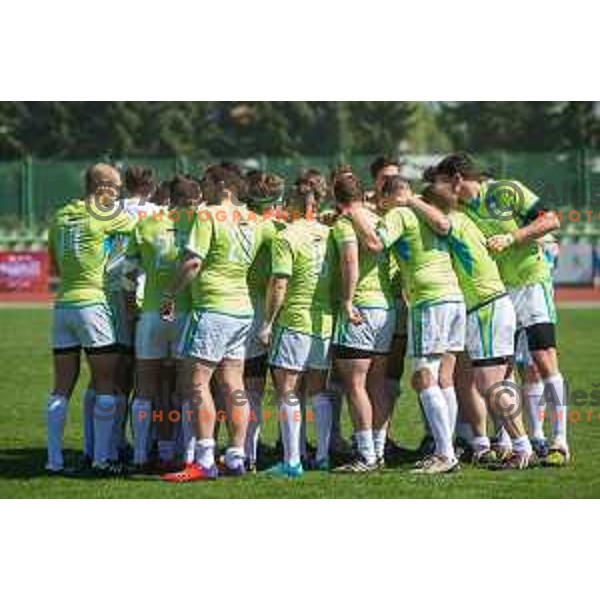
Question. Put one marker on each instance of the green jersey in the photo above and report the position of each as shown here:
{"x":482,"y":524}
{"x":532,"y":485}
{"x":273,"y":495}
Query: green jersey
{"x":477,"y":272}
{"x":373,"y":289}
{"x":305,"y":254}
{"x":227,"y":240}
{"x":260,"y":273}
{"x":423,"y":256}
{"x":79,"y":243}
{"x":157,"y":244}
{"x":501,"y":208}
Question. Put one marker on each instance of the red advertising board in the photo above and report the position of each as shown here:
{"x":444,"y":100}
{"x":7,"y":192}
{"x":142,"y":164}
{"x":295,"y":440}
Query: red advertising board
{"x":24,"y":272}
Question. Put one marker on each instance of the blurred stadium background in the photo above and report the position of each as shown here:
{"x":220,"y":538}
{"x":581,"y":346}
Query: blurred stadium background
{"x":553,"y":147}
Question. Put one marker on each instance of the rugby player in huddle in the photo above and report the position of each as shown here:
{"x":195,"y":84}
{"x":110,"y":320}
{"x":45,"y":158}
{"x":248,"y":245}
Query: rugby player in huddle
{"x":238,"y":285}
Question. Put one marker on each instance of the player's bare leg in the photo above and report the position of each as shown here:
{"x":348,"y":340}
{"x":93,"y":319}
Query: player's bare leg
{"x":196,"y":380}
{"x":474,"y":411}
{"x":425,"y":382}
{"x":353,"y":373}
{"x":230,"y":379}
{"x":340,"y":448}
{"x":504,"y":404}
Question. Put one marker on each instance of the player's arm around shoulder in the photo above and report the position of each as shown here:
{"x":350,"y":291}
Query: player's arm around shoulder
{"x":365,"y":223}
{"x":432,"y":215}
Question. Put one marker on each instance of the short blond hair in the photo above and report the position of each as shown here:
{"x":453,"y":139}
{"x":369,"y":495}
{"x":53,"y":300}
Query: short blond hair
{"x":99,"y":175}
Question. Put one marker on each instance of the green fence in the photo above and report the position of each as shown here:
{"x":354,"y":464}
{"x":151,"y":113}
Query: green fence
{"x":30,"y":189}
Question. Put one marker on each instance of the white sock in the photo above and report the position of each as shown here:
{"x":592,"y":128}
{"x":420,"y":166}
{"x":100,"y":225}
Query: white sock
{"x":290,"y":421}
{"x":205,"y":453}
{"x":166,"y":450}
{"x":141,"y":415}
{"x":435,"y":407}
{"x":535,"y":405}
{"x":89,"y":398}
{"x":253,"y":433}
{"x":503,"y":439}
{"x":480,"y":444}
{"x":104,"y":419}
{"x":554,"y":392}
{"x":56,"y":414}
{"x":522,"y":445}
{"x":379,"y":437}
{"x":365,"y":445}
{"x":234,"y":457}
{"x":187,"y":428}
{"x":452,"y":407}
{"x":118,"y":435}
{"x":464,"y":431}
{"x":323,"y":410}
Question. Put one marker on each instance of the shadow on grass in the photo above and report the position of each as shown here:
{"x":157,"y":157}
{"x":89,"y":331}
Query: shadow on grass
{"x":29,"y":463}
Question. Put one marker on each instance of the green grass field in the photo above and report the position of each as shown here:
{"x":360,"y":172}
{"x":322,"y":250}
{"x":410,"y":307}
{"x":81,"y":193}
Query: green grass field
{"x":26,"y":377}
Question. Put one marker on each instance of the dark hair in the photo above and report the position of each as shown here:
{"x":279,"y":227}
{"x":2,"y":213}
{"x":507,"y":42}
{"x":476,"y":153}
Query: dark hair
{"x":429,"y":174}
{"x":380,"y":163}
{"x":229,"y":176}
{"x":461,"y":164}
{"x":347,"y":188}
{"x":139,"y":180}
{"x":183,"y":189}
{"x":232,"y":167}
{"x":263,"y":187}
{"x":312,"y":182}
{"x":162,"y":193}
{"x":340,"y":170}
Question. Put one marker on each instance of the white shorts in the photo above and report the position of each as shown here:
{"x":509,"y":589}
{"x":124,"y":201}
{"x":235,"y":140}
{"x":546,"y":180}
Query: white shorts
{"x":83,"y":327}
{"x":436,"y":329}
{"x":297,"y":351}
{"x":213,"y":336}
{"x":491,"y":330}
{"x":374,"y":334}
{"x":533,"y":304}
{"x":155,"y":338}
{"x":124,"y":327}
